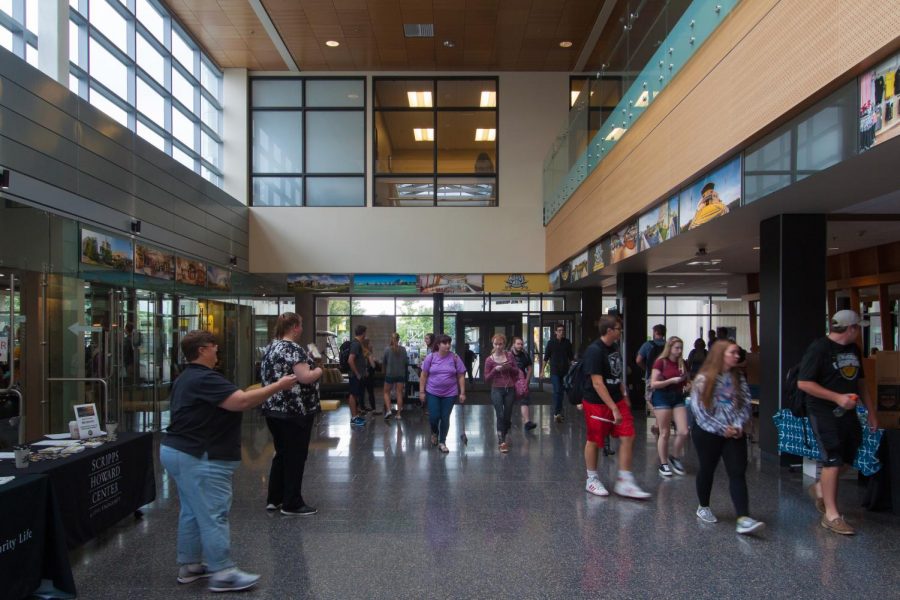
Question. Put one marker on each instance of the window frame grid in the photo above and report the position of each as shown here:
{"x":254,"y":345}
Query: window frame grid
{"x":436,"y":175}
{"x":304,"y":176}
{"x":22,"y":35}
{"x":87,"y":83}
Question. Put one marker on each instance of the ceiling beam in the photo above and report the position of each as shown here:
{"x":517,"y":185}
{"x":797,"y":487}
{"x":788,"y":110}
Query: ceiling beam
{"x":599,"y":24}
{"x":269,"y":26}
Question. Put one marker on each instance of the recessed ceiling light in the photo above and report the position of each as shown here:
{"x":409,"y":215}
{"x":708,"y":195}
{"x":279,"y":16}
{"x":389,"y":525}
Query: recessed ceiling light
{"x":485,"y":135}
{"x":834,"y":248}
{"x":332,"y":43}
{"x":423,"y":135}
{"x":488,"y":99}
{"x":565,"y":44}
{"x":755,"y":248}
{"x":419,"y":99}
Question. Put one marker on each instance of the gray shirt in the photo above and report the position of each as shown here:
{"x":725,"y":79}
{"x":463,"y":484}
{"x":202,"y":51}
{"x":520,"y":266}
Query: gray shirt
{"x":395,"y":362}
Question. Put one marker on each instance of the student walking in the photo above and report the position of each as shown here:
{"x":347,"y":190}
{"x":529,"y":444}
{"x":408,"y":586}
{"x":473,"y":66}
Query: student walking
{"x":442,"y":382}
{"x":526,"y":365}
{"x":502,"y":371}
{"x":396,"y":364}
{"x":720,"y":402}
{"x":668,"y":381}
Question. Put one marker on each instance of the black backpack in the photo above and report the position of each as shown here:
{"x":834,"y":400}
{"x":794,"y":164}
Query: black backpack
{"x":344,"y":356}
{"x":655,"y":351}
{"x":794,"y":397}
{"x":574,"y":381}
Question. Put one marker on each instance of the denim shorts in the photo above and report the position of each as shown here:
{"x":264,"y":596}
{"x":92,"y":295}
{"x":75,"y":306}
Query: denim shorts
{"x":667,"y":399}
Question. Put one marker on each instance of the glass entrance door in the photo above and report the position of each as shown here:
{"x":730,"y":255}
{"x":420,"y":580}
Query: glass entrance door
{"x":12,"y":335}
{"x":548,"y":323}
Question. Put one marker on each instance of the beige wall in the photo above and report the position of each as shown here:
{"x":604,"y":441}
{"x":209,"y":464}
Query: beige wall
{"x":505,"y":239}
{"x":764,"y":60}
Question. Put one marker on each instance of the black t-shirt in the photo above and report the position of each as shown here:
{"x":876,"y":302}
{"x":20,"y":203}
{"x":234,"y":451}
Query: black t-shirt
{"x":836,"y":367}
{"x":523,"y":361}
{"x":197,"y":423}
{"x":362,"y":365}
{"x":600,"y":359}
{"x":559,"y":354}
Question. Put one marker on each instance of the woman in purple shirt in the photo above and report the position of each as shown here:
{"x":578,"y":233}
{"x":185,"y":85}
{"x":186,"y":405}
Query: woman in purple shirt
{"x":443,"y":379}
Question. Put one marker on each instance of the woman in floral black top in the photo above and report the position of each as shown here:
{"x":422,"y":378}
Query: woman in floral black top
{"x":289,"y":415}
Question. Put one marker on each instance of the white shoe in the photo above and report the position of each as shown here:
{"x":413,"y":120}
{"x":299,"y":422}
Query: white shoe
{"x":595,"y":487}
{"x":705,"y":514}
{"x":747,"y":525}
{"x":629,"y":489}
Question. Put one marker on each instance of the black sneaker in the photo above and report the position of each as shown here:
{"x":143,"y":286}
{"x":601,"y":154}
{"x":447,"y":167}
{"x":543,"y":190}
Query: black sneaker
{"x":302,"y":511}
{"x":676,"y":465}
{"x":665,"y":471}
{"x":272,"y":507}
{"x":530,"y":425}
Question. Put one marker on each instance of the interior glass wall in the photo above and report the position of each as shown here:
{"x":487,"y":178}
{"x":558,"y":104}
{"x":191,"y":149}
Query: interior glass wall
{"x":693,"y":317}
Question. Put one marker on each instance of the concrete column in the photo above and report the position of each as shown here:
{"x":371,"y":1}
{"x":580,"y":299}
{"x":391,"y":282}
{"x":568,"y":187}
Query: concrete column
{"x":631,"y":290}
{"x":591,"y":311}
{"x":53,"y":39}
{"x":792,"y":305}
{"x":236,"y":149}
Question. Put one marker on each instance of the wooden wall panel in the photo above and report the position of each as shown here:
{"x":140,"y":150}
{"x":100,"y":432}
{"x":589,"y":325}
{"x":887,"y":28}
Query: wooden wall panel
{"x":768,"y":57}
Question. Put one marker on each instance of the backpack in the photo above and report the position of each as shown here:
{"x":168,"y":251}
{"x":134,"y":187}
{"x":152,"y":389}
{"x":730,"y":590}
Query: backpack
{"x":574,"y":380}
{"x":344,"y":356}
{"x":652,"y":355}
{"x":794,"y":397}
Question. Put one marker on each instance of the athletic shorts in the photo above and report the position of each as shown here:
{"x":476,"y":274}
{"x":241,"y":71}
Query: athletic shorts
{"x":598,"y":429}
{"x":666,"y":399}
{"x":389,"y":380}
{"x":838,"y":437}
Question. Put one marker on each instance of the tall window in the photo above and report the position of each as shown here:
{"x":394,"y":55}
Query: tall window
{"x":135,"y":63}
{"x":692,"y":317}
{"x":435,"y":141}
{"x":18,"y":28}
{"x":309,"y":141}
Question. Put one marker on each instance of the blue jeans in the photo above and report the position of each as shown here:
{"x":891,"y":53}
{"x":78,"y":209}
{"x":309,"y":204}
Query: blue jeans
{"x":557,"y":381}
{"x":439,"y":409}
{"x":503,"y":399}
{"x":204,"y":488}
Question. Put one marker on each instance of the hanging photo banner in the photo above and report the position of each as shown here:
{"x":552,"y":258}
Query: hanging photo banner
{"x":879,"y":99}
{"x":106,"y":251}
{"x":659,"y":224}
{"x":711,"y":196}
{"x":598,"y":256}
{"x":218,"y":278}
{"x":565,"y":274}
{"x":623,"y":243}
{"x":385,"y":284}
{"x":579,"y":267}
{"x":451,"y":284}
{"x":524,"y":283}
{"x":318,"y":282}
{"x":153,"y":262}
{"x":189,"y":271}
{"x":553,"y":279}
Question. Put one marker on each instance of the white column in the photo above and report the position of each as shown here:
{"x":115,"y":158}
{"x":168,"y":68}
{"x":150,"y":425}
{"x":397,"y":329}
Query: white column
{"x":236,"y":156}
{"x":53,"y":39}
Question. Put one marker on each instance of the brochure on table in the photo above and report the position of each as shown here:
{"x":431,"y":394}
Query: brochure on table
{"x":88,"y":421}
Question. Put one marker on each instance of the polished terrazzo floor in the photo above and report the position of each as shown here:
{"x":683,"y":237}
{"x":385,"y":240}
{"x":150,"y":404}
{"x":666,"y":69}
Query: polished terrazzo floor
{"x":397,"y":519}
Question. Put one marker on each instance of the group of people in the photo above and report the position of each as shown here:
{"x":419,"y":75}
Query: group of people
{"x":202,"y":445}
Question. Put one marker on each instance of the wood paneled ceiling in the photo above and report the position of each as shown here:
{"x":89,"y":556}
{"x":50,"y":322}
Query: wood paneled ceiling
{"x":487,"y":35}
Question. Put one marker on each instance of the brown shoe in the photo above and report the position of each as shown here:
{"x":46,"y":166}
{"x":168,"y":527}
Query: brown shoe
{"x":820,"y":503}
{"x":838,"y":525}
{"x":504,"y":447}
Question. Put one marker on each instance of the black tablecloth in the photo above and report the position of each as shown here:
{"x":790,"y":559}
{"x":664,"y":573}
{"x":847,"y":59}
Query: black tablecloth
{"x":883,"y":491}
{"x":100,"y":486}
{"x":32,"y":539}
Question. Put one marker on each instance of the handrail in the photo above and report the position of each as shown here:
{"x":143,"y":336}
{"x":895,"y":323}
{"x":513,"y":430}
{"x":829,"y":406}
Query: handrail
{"x":89,"y":379}
{"x":10,"y":348}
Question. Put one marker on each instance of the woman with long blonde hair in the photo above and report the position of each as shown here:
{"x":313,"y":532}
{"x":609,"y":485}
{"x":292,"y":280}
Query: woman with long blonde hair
{"x":720,"y":403}
{"x":668,"y":380}
{"x":395,"y":364}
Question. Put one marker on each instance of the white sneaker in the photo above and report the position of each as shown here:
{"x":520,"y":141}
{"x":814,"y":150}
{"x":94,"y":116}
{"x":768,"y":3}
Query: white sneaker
{"x":595,"y":486}
{"x":747,"y":525}
{"x":629,"y":489}
{"x":705,"y":514}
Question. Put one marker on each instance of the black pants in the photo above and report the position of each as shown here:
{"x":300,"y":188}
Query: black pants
{"x":291,"y":437}
{"x":710,"y":447}
{"x":368,"y":397}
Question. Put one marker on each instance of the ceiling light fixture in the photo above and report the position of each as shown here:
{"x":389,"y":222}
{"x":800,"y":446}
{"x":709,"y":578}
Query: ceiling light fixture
{"x":332,"y":43}
{"x":488,"y":99}
{"x":423,"y":135}
{"x":565,"y":44}
{"x":755,"y":248}
{"x":834,"y":248}
{"x":485,"y":135}
{"x":419,"y":99}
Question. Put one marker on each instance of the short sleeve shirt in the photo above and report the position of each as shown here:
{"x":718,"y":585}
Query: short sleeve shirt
{"x":523,"y":360}
{"x":443,"y":373}
{"x":606,"y":361}
{"x":668,"y":369}
{"x":645,"y":350}
{"x":836,"y":367}
{"x":279,"y":360}
{"x":198,"y":424}
{"x":362,"y":365}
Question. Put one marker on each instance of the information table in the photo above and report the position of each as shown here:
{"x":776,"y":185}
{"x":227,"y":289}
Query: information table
{"x":98,"y":487}
{"x":32,"y":539}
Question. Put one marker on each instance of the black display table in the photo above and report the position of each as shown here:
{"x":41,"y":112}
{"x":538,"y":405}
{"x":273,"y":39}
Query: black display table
{"x":98,"y":487}
{"x":32,"y":539}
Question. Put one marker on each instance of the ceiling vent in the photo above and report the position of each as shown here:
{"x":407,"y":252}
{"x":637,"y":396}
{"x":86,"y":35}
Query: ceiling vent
{"x":414,"y":30}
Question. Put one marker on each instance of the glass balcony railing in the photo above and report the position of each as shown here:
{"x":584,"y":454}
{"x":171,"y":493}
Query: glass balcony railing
{"x":656,"y":39}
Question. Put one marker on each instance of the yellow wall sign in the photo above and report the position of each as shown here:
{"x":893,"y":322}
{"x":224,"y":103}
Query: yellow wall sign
{"x":522,"y":283}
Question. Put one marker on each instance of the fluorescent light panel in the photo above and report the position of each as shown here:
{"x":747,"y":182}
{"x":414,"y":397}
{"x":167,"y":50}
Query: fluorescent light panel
{"x":419,"y":99}
{"x":423,"y":135}
{"x":488,"y":99}
{"x":485,"y":135}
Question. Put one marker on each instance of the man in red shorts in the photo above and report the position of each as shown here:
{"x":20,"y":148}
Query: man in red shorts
{"x":607,"y":411}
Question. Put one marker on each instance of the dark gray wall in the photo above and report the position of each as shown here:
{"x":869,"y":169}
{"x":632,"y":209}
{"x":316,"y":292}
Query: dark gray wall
{"x":70,"y":158}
